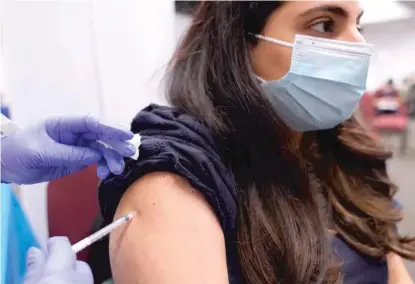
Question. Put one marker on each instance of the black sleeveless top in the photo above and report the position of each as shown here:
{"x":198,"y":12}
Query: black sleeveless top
{"x":174,"y":142}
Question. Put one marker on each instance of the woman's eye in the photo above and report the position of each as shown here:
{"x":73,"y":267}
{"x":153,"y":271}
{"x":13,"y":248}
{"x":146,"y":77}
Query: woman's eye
{"x":324,"y":27}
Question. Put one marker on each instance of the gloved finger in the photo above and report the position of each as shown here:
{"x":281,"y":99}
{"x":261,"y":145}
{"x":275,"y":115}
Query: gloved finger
{"x":35,"y":263}
{"x":88,"y":123}
{"x":84,"y":272}
{"x":113,"y":161}
{"x":60,"y":255}
{"x":58,"y":172}
{"x":71,"y":156}
{"x":102,"y":169}
{"x":124,"y":148}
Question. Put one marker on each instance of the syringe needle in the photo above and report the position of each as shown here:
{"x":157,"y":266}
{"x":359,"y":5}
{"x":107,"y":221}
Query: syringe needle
{"x":101,"y":233}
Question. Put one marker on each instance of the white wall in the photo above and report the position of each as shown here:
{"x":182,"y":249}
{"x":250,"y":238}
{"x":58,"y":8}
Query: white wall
{"x":384,"y":11}
{"x":394,"y":51}
{"x":135,"y":40}
{"x":92,"y":56}
{"x":181,"y":24}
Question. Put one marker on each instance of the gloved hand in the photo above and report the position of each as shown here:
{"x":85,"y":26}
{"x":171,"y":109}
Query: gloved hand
{"x":62,"y":145}
{"x":57,"y":266}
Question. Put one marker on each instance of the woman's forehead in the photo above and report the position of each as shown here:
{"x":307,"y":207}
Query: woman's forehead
{"x":348,"y":8}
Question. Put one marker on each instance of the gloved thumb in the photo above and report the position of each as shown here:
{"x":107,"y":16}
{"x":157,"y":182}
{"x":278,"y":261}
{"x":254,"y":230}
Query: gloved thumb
{"x":84,"y":272}
{"x":60,"y":255}
{"x":64,"y":155}
{"x":35,"y":263}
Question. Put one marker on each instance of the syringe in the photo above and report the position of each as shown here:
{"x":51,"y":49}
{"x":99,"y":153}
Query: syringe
{"x":101,"y":233}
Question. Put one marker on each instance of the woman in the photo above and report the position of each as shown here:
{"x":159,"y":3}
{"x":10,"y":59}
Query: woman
{"x":239,"y":183}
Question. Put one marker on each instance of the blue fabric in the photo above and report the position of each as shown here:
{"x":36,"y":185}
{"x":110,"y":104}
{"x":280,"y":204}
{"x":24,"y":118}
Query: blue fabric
{"x":5,"y":111}
{"x":16,"y":238}
{"x":174,"y":142}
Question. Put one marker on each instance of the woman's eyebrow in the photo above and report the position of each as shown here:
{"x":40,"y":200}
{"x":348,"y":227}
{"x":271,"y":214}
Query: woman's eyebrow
{"x":337,"y":10}
{"x":329,"y":8}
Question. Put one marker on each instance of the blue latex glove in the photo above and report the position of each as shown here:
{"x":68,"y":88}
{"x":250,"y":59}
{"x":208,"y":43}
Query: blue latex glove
{"x":57,"y":266}
{"x":62,"y":145}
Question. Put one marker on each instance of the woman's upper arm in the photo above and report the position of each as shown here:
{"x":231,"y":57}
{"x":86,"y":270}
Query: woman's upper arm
{"x":174,"y":238}
{"x":398,"y":274}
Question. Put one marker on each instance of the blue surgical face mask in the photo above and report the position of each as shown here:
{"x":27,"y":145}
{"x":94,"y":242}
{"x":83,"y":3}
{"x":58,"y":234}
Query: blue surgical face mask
{"x":324,"y":85}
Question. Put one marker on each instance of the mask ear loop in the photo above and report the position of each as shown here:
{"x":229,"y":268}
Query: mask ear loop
{"x":273,"y":40}
{"x":259,"y":78}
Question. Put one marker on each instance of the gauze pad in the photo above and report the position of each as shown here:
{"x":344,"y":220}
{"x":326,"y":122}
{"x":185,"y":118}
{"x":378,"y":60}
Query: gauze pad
{"x":136,"y":141}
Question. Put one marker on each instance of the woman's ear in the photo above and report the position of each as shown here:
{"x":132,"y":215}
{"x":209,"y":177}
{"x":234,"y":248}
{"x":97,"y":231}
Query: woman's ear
{"x":251,"y":46}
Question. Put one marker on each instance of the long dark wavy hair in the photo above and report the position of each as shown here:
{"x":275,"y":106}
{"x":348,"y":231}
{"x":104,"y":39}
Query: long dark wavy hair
{"x":286,"y":193}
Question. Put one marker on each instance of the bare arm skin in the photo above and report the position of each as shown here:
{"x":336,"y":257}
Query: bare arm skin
{"x":398,"y":274}
{"x":175,"y":237}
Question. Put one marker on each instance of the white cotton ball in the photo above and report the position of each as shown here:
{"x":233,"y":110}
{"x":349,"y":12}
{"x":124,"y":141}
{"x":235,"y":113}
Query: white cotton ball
{"x":136,"y":141}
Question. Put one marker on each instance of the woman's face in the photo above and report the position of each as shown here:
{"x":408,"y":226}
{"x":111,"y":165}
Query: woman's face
{"x":338,"y":20}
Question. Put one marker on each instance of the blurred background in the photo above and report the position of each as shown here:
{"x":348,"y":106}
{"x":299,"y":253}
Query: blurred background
{"x":108,"y":57}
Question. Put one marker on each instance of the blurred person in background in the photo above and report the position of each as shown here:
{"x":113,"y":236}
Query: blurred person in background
{"x":259,"y":173}
{"x":387,"y":99}
{"x":408,"y":92}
